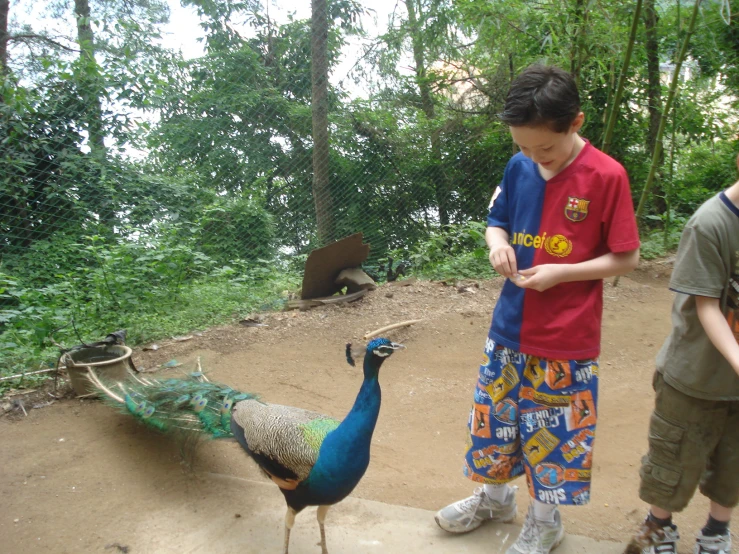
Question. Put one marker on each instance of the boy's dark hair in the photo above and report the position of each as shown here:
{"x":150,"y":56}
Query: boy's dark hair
{"x":542,"y":95}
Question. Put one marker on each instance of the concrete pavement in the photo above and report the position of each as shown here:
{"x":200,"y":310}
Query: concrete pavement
{"x":247,"y":516}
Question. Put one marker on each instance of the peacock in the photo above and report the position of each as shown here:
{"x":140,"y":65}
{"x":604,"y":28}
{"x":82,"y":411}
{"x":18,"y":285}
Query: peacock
{"x":315,"y":460}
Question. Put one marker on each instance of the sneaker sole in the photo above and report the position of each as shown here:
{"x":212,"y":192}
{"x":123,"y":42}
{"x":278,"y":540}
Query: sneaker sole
{"x":462,"y":530}
{"x":555,"y":544}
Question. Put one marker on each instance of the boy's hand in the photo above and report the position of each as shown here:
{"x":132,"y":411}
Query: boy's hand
{"x":503,"y":259}
{"x":540,"y":277}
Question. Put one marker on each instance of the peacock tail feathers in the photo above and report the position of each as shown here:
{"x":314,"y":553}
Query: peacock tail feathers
{"x":193,"y":405}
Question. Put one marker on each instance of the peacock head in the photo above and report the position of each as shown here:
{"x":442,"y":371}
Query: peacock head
{"x":377,"y":351}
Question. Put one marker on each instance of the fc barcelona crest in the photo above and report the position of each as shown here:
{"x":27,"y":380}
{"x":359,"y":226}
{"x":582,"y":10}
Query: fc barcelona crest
{"x":576,"y":209}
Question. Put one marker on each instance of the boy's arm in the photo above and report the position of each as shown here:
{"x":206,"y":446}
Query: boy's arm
{"x":717,"y":329}
{"x":502,"y":257}
{"x":545,"y":276}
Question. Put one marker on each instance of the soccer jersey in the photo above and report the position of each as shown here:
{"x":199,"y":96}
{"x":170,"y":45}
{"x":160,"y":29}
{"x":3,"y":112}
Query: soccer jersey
{"x":581,"y":213}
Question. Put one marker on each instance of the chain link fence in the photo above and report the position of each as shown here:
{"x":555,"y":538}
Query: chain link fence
{"x":138,"y":188}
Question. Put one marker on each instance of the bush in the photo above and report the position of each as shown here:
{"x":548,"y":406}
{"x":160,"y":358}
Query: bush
{"x":457,"y":251}
{"x":226,"y":226}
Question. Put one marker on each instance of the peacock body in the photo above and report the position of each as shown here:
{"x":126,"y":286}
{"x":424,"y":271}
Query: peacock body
{"x":315,"y":460}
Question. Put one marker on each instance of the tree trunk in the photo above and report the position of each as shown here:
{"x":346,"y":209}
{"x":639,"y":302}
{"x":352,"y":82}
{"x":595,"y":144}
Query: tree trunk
{"x":93,"y":190}
{"x":4,"y":11}
{"x":441,"y":183}
{"x":319,"y":78}
{"x":86,"y":42}
{"x":654,"y":87}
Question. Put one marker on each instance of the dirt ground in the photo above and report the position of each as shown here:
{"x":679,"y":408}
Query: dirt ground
{"x":74,"y":470}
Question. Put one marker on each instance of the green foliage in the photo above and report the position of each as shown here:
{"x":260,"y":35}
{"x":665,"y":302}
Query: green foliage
{"x":659,"y":242}
{"x":142,"y":190}
{"x":152,"y":285}
{"x":458,"y":251}
{"x":705,"y":169}
{"x":224,"y":226}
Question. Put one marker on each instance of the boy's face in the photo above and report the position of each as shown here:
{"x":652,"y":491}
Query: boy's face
{"x":551,"y":150}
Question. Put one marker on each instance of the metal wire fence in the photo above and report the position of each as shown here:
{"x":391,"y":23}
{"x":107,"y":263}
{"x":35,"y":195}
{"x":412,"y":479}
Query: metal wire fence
{"x":223,"y":149}
{"x":128,"y":171}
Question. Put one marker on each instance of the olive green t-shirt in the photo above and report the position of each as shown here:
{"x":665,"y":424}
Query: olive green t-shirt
{"x":707,"y":264}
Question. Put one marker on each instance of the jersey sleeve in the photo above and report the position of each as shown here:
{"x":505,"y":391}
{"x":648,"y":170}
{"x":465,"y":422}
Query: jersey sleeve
{"x":619,"y":222}
{"x":699,"y":268}
{"x":498,"y":215}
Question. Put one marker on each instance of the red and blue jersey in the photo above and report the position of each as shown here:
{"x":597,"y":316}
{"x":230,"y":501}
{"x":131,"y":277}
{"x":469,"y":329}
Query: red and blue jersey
{"x":583,"y":212}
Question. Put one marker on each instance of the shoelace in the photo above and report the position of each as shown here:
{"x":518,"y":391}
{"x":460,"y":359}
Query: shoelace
{"x":528,"y":537}
{"x":473,"y":501}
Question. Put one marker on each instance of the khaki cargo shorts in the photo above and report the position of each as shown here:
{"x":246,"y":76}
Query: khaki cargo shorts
{"x":692,"y":442}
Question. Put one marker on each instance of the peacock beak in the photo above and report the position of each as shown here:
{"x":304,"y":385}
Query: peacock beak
{"x":396,"y":345}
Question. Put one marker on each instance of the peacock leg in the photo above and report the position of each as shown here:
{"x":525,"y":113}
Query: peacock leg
{"x":289,"y":522}
{"x":321,"y":515}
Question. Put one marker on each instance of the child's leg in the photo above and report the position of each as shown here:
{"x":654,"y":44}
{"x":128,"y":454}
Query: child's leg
{"x":715,"y":536}
{"x":558,"y":405}
{"x":720,"y":483}
{"x":718,"y":520}
{"x":493,"y":456}
{"x":558,"y":413}
{"x":683,"y":433}
{"x":686,"y":436}
{"x":721,"y":513}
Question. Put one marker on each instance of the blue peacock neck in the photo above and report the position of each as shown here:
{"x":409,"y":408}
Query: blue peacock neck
{"x":345,"y":452}
{"x":355,"y":431}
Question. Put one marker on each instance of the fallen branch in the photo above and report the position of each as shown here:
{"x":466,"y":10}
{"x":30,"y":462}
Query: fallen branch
{"x":21,"y":375}
{"x":314,"y":302}
{"x":389,"y":327}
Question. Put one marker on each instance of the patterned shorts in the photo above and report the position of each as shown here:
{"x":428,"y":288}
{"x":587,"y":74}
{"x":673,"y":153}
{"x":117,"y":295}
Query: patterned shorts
{"x":537,"y":416}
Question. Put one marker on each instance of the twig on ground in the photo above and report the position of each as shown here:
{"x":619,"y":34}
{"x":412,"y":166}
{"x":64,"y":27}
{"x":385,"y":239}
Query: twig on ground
{"x":390,"y":327}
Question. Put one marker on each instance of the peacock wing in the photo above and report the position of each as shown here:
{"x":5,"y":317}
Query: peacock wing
{"x":288,"y":436}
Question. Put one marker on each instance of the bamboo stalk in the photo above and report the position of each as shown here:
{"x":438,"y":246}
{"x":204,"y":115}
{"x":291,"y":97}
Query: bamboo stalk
{"x":663,"y":118}
{"x":666,"y":111}
{"x":613,"y":109}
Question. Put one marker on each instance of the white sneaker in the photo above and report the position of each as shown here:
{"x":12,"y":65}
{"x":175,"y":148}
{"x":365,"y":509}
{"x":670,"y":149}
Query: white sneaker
{"x":538,"y":537}
{"x":654,"y":539}
{"x":468,"y":514}
{"x":720,"y":544}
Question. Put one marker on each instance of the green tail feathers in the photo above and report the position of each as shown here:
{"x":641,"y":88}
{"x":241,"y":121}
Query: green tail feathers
{"x":181,"y":405}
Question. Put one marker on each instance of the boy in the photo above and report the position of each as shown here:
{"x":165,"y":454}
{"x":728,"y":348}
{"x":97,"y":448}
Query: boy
{"x":694,"y":429}
{"x":560,"y":222}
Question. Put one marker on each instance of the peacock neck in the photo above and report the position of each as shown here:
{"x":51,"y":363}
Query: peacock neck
{"x":345,"y":452}
{"x":355,"y":431}
{"x":361,"y":419}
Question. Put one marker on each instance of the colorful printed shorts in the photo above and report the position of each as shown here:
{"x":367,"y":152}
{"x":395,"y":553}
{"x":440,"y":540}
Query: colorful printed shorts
{"x":534,"y":415}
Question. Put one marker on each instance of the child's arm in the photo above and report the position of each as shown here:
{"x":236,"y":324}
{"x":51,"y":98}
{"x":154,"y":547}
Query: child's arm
{"x":545,"y":276}
{"x":717,"y":328}
{"x":502,"y":257}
